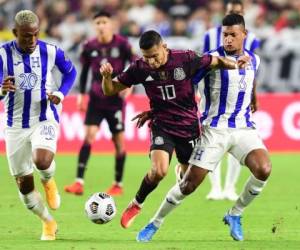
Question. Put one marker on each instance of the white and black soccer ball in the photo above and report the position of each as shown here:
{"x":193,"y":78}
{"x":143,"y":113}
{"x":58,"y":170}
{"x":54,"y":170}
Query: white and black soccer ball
{"x":100,"y":208}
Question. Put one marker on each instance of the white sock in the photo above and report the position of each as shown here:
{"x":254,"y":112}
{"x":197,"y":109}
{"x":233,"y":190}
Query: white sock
{"x":33,"y":201}
{"x":233,"y":172}
{"x":172,"y":200}
{"x":80,"y":180}
{"x":215,"y":178}
{"x":48,"y":173}
{"x":252,"y":188}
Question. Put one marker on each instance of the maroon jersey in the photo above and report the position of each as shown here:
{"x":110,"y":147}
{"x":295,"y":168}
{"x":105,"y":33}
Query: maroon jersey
{"x":170,"y":90}
{"x":94,"y":53}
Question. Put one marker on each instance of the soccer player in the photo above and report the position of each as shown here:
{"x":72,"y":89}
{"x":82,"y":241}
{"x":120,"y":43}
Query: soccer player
{"x":32,"y":101}
{"x":213,"y":40}
{"x":227,"y":127}
{"x":167,"y":78}
{"x":105,"y":47}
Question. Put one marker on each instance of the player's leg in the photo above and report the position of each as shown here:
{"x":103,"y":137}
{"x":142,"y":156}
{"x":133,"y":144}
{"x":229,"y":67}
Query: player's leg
{"x":193,"y":177}
{"x":207,"y":153}
{"x":232,"y":175}
{"x":183,"y":149}
{"x":92,"y":120}
{"x":116,"y":124}
{"x":43,"y":140}
{"x":251,"y":151}
{"x":18,"y":151}
{"x":160,"y":155}
{"x":33,"y":202}
{"x":215,"y":192}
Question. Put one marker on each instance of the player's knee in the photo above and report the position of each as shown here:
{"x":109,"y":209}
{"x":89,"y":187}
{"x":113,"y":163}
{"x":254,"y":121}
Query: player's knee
{"x":157,"y":173}
{"x":265,"y":170}
{"x":42,"y":163}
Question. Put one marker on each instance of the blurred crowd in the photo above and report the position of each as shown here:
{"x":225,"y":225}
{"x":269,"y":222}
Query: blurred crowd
{"x":68,"y":22}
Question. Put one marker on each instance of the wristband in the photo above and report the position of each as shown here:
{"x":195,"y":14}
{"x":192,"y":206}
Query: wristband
{"x":59,"y":94}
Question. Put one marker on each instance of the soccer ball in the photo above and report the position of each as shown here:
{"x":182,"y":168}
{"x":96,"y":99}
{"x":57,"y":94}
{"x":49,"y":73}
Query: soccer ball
{"x":100,"y":208}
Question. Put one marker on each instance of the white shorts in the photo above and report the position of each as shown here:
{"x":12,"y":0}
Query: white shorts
{"x":20,"y":143}
{"x":214,"y":143}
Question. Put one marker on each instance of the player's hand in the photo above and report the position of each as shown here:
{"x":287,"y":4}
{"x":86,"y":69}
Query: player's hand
{"x":142,"y":118}
{"x":106,"y":70}
{"x":8,"y":85}
{"x":53,"y":98}
{"x":254,"y":107}
{"x":243,"y":61}
{"x":80,"y":103}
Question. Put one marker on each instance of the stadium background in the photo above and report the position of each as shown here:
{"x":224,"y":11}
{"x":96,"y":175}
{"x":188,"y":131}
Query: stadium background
{"x":182,"y":23}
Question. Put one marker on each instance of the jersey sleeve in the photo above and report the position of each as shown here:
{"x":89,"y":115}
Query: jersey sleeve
{"x":255,"y":44}
{"x":198,"y":62}
{"x":62,"y":62}
{"x":129,"y":76}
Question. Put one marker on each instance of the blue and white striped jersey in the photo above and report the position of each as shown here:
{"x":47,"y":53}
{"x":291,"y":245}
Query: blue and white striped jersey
{"x":33,"y":79}
{"x":226,"y":98}
{"x":213,"y":40}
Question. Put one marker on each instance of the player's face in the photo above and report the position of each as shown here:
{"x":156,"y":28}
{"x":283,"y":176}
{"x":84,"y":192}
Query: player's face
{"x":27,"y":36}
{"x":233,"y":38}
{"x":234,"y":9}
{"x":103,"y":26}
{"x":156,"y":56}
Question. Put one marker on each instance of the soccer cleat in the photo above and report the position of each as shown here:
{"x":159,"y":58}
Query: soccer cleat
{"x":178,"y":172}
{"x":215,"y":194}
{"x":230,"y":194}
{"x":75,"y":188}
{"x":129,"y":214}
{"x":147,"y":233}
{"x":52,"y":195}
{"x":115,"y":190}
{"x":49,"y":230}
{"x":234,"y":222}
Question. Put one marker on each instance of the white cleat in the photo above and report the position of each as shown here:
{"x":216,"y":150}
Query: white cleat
{"x":230,"y":194}
{"x":215,"y":194}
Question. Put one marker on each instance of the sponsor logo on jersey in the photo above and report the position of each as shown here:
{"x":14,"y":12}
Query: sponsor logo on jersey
{"x":149,"y":78}
{"x":94,"y":53}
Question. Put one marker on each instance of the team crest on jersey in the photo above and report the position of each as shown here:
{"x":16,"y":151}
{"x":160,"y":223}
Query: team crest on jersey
{"x":114,"y":53}
{"x":158,"y":140}
{"x":179,"y":74}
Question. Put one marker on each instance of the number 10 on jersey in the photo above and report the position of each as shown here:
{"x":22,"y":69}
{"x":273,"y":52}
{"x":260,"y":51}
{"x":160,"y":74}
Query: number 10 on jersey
{"x":167,"y":92}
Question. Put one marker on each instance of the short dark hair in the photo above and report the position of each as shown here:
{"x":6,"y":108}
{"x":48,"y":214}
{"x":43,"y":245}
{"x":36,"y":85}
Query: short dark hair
{"x":235,"y":2}
{"x":149,"y":39}
{"x":233,"y":19}
{"x":102,"y":13}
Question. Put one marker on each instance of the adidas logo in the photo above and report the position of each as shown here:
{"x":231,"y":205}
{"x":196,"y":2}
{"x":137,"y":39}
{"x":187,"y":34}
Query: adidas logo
{"x":149,"y":78}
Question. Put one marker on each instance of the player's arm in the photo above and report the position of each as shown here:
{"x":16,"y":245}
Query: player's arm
{"x":221,"y":62}
{"x":254,"y":103}
{"x":109,"y":86}
{"x":68,"y":72}
{"x":82,"y":86}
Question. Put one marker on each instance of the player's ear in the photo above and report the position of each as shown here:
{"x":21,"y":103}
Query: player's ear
{"x":164,"y":45}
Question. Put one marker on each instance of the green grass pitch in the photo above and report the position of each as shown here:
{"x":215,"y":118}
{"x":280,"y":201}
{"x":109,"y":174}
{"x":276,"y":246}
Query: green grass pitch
{"x":271,"y":222}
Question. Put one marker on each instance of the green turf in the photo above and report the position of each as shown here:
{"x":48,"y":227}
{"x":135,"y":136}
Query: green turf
{"x":196,"y":224}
